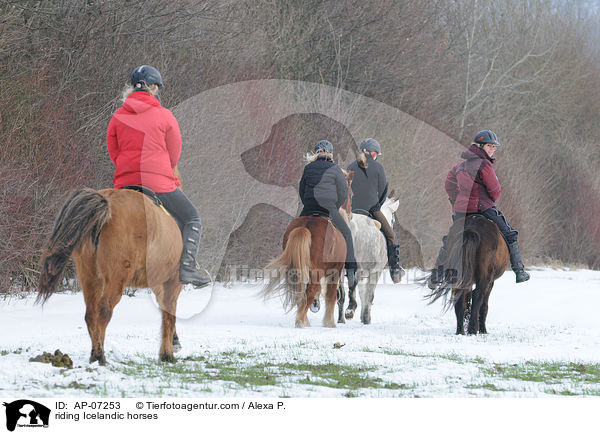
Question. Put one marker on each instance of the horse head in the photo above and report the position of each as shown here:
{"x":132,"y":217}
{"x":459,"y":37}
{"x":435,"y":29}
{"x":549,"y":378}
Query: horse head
{"x":388,"y":209}
{"x":347,"y":206}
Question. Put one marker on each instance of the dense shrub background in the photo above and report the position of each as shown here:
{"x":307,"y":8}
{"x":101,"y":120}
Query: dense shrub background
{"x":527,"y":69}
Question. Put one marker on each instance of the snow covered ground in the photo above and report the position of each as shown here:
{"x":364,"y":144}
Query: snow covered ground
{"x":544,"y":339}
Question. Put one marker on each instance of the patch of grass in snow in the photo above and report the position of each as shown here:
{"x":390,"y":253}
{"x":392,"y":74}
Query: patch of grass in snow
{"x":487,"y":386}
{"x":75,"y":385}
{"x":243,"y":371}
{"x":339,"y":376}
{"x":578,"y":377}
{"x":453,"y":357}
{"x":17,"y":351}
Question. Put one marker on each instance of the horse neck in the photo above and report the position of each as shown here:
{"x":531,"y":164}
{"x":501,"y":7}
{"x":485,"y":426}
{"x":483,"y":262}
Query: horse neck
{"x":344,"y":213}
{"x":387,"y":212}
{"x":347,"y":207}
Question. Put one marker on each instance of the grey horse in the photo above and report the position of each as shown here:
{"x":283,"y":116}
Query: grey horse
{"x":371,"y":256}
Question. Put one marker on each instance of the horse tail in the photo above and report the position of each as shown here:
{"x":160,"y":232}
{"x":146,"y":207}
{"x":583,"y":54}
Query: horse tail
{"x":81,"y":218}
{"x":289,"y":273}
{"x":459,"y":274}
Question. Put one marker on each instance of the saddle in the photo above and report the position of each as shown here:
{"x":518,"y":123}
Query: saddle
{"x":149,"y":193}
{"x":320,"y":214}
{"x":368,"y":214}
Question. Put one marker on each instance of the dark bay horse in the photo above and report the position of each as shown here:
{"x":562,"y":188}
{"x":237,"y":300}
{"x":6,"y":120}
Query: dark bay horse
{"x":477,"y":255}
{"x":314,"y":253}
{"x":117,"y":238}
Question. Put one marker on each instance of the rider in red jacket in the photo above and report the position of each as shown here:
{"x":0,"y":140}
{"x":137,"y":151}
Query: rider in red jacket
{"x":473,"y":188}
{"x":144,"y":143}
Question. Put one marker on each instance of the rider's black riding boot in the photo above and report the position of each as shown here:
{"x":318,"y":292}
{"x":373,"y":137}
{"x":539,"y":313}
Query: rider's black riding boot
{"x":437,"y":276}
{"x":187,"y":265}
{"x":396,"y":271}
{"x":351,"y":268}
{"x":516,"y":262}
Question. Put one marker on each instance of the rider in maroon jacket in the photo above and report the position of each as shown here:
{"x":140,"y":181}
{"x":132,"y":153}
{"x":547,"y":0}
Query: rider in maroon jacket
{"x":473,"y":188}
{"x":144,"y":143}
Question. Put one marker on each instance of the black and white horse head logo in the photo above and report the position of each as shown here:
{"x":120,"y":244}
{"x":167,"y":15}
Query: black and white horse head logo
{"x":26,"y":413}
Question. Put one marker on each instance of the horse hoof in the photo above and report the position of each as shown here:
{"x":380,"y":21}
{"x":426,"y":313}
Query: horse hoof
{"x":99,"y":357}
{"x":349,"y":314}
{"x":167,"y":358}
{"x":302,"y":324}
{"x":366,"y":320}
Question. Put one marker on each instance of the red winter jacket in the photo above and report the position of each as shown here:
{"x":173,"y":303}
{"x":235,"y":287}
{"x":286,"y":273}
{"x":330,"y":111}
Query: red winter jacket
{"x":144,"y":143}
{"x":472,"y":185}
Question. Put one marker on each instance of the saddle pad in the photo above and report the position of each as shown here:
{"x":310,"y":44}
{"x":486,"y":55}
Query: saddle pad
{"x":368,"y":214}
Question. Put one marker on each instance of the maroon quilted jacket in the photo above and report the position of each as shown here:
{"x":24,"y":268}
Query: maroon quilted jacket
{"x":472,"y":185}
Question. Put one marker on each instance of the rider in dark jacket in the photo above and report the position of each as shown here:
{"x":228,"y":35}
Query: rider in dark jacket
{"x":473,"y":188}
{"x":369,"y":188}
{"x":323,"y":190}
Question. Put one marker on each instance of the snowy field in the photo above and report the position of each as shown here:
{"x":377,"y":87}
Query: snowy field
{"x":544,"y":340}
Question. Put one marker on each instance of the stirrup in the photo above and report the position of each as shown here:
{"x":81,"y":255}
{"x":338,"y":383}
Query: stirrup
{"x":191,"y":276}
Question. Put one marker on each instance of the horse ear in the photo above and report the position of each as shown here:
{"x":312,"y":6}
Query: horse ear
{"x":391,"y":193}
{"x":350,"y":176}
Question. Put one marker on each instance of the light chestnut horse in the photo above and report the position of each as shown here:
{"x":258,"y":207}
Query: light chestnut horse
{"x":314,"y":253}
{"x":117,"y":238}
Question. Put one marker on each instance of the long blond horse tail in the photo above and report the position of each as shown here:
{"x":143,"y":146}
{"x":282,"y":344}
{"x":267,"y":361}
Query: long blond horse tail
{"x":289,"y":274}
{"x":81,"y":218}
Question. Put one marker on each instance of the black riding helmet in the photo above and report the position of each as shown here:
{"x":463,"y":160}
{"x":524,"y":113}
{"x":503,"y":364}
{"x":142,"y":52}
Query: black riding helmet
{"x":371,"y":145}
{"x":147,"y":75}
{"x":324,"y":145}
{"x":486,"y":136}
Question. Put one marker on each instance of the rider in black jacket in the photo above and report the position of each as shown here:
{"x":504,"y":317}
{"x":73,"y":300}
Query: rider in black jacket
{"x":370,"y":191}
{"x":323,"y":190}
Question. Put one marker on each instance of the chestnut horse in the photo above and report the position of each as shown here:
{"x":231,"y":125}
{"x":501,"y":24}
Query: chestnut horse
{"x":477,"y":255}
{"x":117,"y":238}
{"x":314,"y":254}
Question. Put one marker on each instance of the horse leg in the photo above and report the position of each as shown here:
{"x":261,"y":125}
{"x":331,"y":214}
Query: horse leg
{"x":176,"y":343}
{"x":459,"y":310}
{"x":92,"y":288}
{"x":330,"y":300}
{"x":484,"y":310}
{"x":309,"y":296}
{"x":112,"y":295}
{"x":367,"y":294}
{"x":476,"y":302}
{"x":341,"y":300}
{"x":166,"y":296}
{"x":352,"y":305}
{"x":467,"y":308}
